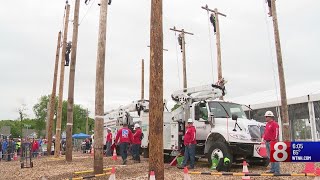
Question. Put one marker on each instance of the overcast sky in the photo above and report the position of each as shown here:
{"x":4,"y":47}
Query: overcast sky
{"x":29,"y":29}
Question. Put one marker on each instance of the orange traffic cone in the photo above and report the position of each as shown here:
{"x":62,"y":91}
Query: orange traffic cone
{"x":245,"y":170}
{"x":309,"y":168}
{"x":15,"y":157}
{"x":263,"y":150}
{"x":114,"y":156}
{"x":113,"y":175}
{"x":152,"y":176}
{"x":186,"y":175}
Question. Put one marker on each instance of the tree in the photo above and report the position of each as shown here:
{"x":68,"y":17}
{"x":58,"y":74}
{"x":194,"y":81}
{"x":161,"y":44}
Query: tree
{"x":79,"y":116}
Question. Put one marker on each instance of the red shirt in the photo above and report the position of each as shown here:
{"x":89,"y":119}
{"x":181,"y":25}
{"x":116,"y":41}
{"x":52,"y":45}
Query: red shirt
{"x":137,"y":136}
{"x":35,"y":146}
{"x":125,"y":135}
{"x":190,"y":136}
{"x":271,"y":132}
{"x":109,"y":137}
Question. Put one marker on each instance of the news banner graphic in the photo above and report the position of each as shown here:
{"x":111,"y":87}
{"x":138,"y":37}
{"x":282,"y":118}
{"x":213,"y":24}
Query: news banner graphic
{"x":295,"y":151}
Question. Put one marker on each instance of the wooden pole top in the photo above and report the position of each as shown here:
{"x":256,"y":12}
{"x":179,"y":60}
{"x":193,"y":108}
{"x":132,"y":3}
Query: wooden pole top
{"x":182,"y":31}
{"x":214,"y":11}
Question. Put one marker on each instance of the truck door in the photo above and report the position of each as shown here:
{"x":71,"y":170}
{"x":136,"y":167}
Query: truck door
{"x":201,"y":121}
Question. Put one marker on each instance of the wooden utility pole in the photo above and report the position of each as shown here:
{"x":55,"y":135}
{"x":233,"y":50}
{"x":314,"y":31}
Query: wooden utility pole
{"x":53,"y":96}
{"x":60,"y":102}
{"x":156,"y":163}
{"x":184,"y":64}
{"x":216,"y":15}
{"x":71,"y":81}
{"x":87,"y":121}
{"x":99,"y":99}
{"x":142,"y":80}
{"x":284,"y":105}
{"x":182,"y":34}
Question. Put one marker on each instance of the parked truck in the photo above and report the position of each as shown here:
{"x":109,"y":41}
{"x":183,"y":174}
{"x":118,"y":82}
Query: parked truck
{"x":223,"y":130}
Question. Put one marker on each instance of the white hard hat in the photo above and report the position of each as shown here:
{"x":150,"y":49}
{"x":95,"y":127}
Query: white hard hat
{"x":109,"y":129}
{"x":136,"y":126}
{"x":269,"y":114}
{"x":190,"y":120}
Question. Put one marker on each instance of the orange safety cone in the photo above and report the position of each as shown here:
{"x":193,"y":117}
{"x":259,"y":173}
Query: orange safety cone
{"x":15,"y":157}
{"x":113,"y":174}
{"x":245,"y":170}
{"x":263,"y":150}
{"x":114,"y":156}
{"x":152,"y":176}
{"x":309,"y":167}
{"x":186,"y":175}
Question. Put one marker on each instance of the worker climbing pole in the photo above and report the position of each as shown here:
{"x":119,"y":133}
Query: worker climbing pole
{"x":215,"y":21}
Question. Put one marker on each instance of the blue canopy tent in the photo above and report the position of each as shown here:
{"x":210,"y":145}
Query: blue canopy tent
{"x":80,"y":136}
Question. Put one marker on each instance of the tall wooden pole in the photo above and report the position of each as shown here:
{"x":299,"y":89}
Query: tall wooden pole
{"x":284,"y":105}
{"x":71,"y":81}
{"x":156,"y":91}
{"x":60,"y":102}
{"x":142,"y":80}
{"x":184,"y":60}
{"x":53,"y":96}
{"x":218,"y":45}
{"x":99,"y":104}
{"x":87,"y":121}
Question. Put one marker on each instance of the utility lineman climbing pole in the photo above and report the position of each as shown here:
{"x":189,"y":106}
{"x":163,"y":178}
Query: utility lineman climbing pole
{"x":183,"y":45}
{"x":142,"y":80}
{"x":216,"y":15}
{"x":53,"y":97}
{"x":99,"y":99}
{"x":156,"y":163}
{"x":284,"y":105}
{"x":60,"y":102}
{"x":71,"y":81}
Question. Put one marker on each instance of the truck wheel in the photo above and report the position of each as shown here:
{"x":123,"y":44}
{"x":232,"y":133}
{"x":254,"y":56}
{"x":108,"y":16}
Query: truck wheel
{"x":220,"y":150}
{"x":146,"y":152}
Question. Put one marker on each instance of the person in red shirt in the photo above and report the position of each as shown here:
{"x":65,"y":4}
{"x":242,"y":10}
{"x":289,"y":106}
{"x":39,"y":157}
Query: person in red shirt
{"x":124,"y":136}
{"x":189,"y":145}
{"x":136,"y":143}
{"x":34,"y":148}
{"x":108,"y":142}
{"x":271,"y":134}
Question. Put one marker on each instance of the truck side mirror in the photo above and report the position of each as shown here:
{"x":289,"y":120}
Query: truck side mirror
{"x":234,"y":117}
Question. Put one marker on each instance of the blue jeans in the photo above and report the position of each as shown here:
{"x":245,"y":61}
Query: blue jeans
{"x":136,"y":152}
{"x":108,"y":149}
{"x":189,"y":153}
{"x":275,"y":166}
{"x":123,"y":150}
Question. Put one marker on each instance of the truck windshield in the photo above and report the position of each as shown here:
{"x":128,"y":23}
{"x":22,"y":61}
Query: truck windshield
{"x":225,"y":109}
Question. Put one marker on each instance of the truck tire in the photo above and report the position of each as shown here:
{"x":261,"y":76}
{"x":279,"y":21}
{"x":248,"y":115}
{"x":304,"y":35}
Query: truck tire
{"x":221,"y":150}
{"x":145,"y":152}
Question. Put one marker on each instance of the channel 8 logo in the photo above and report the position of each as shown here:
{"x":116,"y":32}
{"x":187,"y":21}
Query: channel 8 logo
{"x":280,"y":151}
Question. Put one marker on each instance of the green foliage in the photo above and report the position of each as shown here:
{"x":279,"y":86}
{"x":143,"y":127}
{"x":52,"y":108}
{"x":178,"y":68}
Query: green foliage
{"x":39,"y":123}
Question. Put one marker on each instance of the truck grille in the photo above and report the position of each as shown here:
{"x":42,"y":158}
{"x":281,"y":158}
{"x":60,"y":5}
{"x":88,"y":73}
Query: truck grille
{"x":254,"y":131}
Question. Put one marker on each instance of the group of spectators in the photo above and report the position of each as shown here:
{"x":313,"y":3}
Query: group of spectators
{"x":126,"y":140}
{"x":10,"y":146}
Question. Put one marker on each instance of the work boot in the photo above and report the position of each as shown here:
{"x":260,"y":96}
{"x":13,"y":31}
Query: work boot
{"x":180,"y":167}
{"x":124,"y":162}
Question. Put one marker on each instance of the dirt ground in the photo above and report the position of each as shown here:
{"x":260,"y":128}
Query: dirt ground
{"x":54,"y":169}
